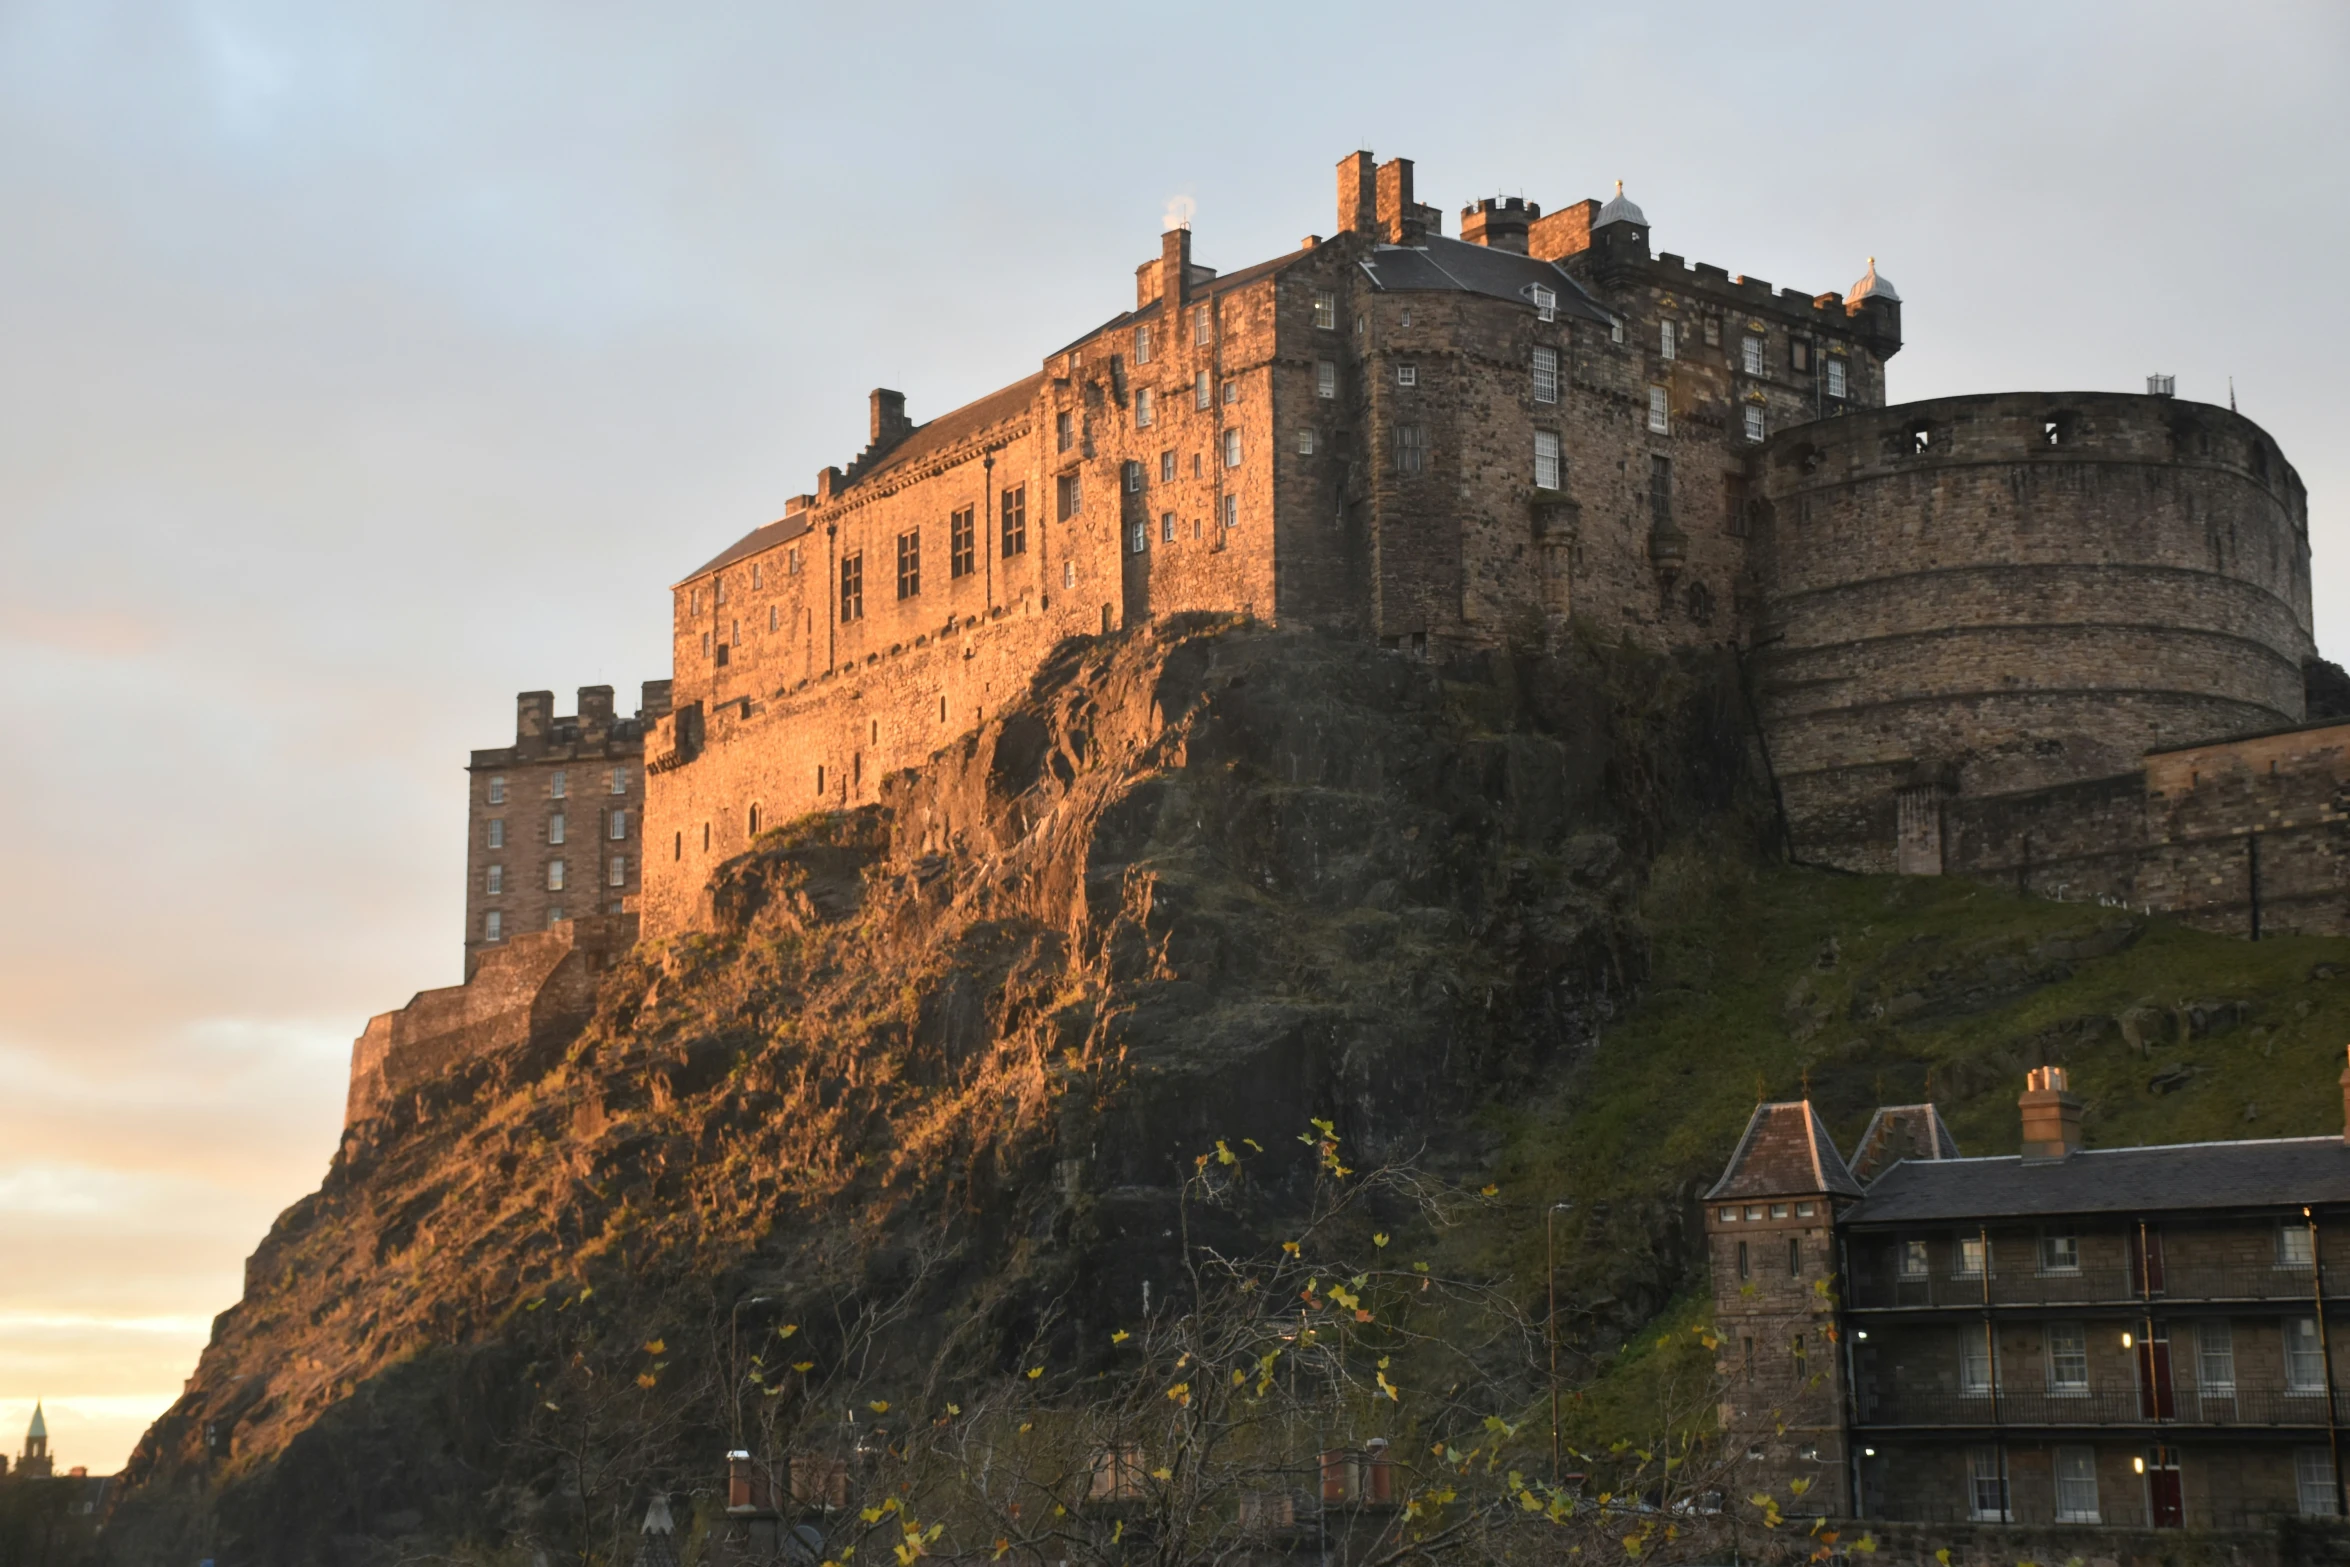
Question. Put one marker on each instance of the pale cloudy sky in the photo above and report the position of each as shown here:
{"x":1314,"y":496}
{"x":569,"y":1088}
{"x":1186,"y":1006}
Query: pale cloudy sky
{"x":361,"y":366}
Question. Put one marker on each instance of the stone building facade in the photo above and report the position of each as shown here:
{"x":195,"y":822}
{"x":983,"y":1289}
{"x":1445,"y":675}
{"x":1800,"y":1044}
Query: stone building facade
{"x":554,"y":823}
{"x":2138,"y":1337}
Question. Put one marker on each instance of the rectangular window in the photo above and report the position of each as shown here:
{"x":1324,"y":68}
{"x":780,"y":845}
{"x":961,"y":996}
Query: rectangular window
{"x":2068,"y":1358}
{"x":774,"y":617}
{"x":1660,"y":418}
{"x":2313,"y":1477}
{"x":1615,"y":331}
{"x":1546,"y":375}
{"x":1667,"y":339}
{"x":555,"y":828}
{"x":705,"y":642}
{"x":962,"y":543}
{"x":554,"y":875}
{"x":493,"y":926}
{"x":1142,"y":345}
{"x":1755,"y":429}
{"x":1138,"y":538}
{"x":1411,"y":448}
{"x":852,"y":588}
{"x":1751,"y":355}
{"x":620,"y":780}
{"x":1166,"y":527}
{"x":1201,"y":396}
{"x":1546,"y":460}
{"x":1660,"y":491}
{"x":1068,"y":573}
{"x":1064,"y":431}
{"x":1231,"y":511}
{"x":1913,"y":1259}
{"x":498,"y":790}
{"x":755,"y":574}
{"x":2293,"y":1245}
{"x":1132,"y":471}
{"x":1325,"y":379}
{"x":497,"y":832}
{"x":554,"y":915}
{"x":1966,"y":1257}
{"x":1987,"y":1491}
{"x":1231,"y":448}
{"x":1974,"y":1361}
{"x":495,"y":882}
{"x":2060,"y":1251}
{"x":1015,"y":521}
{"x":1142,"y":408}
{"x":718,"y":587}
{"x":1232,"y":391}
{"x":558,"y":785}
{"x":2305,"y":1363}
{"x":616,"y":826}
{"x":1203,"y":326}
{"x":1066,"y":499}
{"x":791,"y":561}
{"x":2076,"y":1485}
{"x":1325,"y":310}
{"x":1305,"y":443}
{"x":2215,"y":1358}
{"x":1166,"y":467}
{"x":1835,"y":377}
{"x":1546,"y":303}
{"x":1407,"y":375}
{"x":1799,"y":353}
{"x":909,"y":564}
{"x":734,"y":634}
{"x":616,"y":875}
{"x":1713,"y":332}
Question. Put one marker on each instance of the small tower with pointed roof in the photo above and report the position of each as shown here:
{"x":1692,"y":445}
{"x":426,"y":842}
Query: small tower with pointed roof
{"x":1770,"y":1225}
{"x":35,"y":1463}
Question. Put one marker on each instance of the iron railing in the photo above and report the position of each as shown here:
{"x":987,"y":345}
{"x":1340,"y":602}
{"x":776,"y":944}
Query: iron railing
{"x":2175,"y":1283}
{"x":2119,"y":1404}
{"x":2112,"y":1512}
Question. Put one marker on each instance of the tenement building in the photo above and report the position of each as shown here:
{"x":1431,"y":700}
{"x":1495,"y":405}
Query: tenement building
{"x":1970,"y":622}
{"x":2126,"y":1336}
{"x":555,"y":820}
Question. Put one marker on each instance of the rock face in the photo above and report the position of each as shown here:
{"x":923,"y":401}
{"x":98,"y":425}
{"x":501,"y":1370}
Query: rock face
{"x":1203,"y":882}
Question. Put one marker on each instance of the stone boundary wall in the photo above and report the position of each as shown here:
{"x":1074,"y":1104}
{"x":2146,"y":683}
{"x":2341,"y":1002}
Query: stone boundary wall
{"x":521,"y":990}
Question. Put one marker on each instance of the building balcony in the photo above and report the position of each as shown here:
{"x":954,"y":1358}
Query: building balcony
{"x":2104,"y":1405}
{"x":2174,"y":1284}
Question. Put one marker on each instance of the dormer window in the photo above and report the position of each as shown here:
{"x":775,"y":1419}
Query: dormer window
{"x":1546,"y":304}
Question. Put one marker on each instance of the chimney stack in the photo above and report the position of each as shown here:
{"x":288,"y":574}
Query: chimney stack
{"x":595,"y":708}
{"x":534,"y":715}
{"x":1358,"y":193}
{"x":2052,"y":1117}
{"x":1174,"y":272}
{"x":1395,"y":199}
{"x":890,"y":424}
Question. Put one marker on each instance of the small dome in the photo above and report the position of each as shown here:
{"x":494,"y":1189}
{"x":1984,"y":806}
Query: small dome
{"x":1619,"y":210}
{"x":1872,"y":286}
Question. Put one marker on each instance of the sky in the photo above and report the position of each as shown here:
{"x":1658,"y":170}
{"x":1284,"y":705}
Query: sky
{"x":363,"y":366}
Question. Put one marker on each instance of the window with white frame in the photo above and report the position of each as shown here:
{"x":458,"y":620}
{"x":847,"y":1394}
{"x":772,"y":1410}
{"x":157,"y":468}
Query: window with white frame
{"x":1325,"y":379}
{"x":1142,"y":345}
{"x":554,"y":875}
{"x":1068,"y":573}
{"x":1203,"y":326}
{"x":1546,"y":303}
{"x":1546,"y":460}
{"x":1755,"y":428}
{"x":1667,"y":340}
{"x":1133,"y":474}
{"x":1835,"y":377}
{"x":498,"y":790}
{"x":1231,"y":448}
{"x":2076,"y":1485}
{"x":2215,"y":1358}
{"x":2060,"y":1251}
{"x":2068,"y":1358}
{"x":1138,"y":538}
{"x":1750,"y":355}
{"x":1974,"y":1361}
{"x":1912,"y":1259}
{"x":497,"y":833}
{"x":616,"y":875}
{"x":755,"y":572}
{"x":493,"y":926}
{"x":495,"y":882}
{"x":1166,"y":527}
{"x":616,"y":826}
{"x":620,"y":780}
{"x":1615,"y":331}
{"x":1407,"y":375}
{"x":2293,"y":1250}
{"x":1325,"y":310}
{"x":2313,"y":1480}
{"x":1064,"y":431}
{"x":1305,"y":443}
{"x":1660,"y":418}
{"x":1144,"y":409}
{"x":1201,"y":393}
{"x":1546,"y":375}
{"x":2305,"y":1362}
{"x":1231,"y":511}
{"x":1987,"y":1487}
{"x":555,"y":828}
{"x":1166,"y":467}
{"x":1966,"y":1257}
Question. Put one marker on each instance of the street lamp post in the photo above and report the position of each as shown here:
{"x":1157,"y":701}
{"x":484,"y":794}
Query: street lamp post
{"x":1550,"y":1274}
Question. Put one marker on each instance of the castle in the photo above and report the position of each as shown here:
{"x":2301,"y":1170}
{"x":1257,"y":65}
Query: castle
{"x":2058,"y":639}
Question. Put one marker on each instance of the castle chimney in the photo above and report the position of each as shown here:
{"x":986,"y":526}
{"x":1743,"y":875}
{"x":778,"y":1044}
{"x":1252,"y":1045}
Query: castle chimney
{"x":890,"y":424}
{"x":1395,"y":199}
{"x":595,"y":707}
{"x":534,"y":715}
{"x":2052,"y":1117}
{"x":1358,"y":193}
{"x":654,"y":700}
{"x":1174,"y":271}
{"x":1499,"y":224}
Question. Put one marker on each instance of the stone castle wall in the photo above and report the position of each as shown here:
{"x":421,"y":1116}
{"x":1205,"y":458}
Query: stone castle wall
{"x":1986,"y":595}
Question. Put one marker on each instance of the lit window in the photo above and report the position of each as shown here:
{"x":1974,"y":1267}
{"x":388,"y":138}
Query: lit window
{"x":1666,"y":340}
{"x":556,"y":786}
{"x":1546,"y":303}
{"x":616,"y":874}
{"x":1231,"y":448}
{"x":1913,"y":1259}
{"x":1166,"y":527}
{"x":1325,"y":310}
{"x":554,"y":875}
{"x":498,"y":790}
{"x":1142,"y":345}
{"x":1803,"y":1210}
{"x":2068,"y":1358}
{"x":620,"y":780}
{"x":1751,"y":355}
{"x":1203,"y":326}
{"x":1325,"y":379}
{"x":1546,"y":460}
{"x":1659,"y":416}
{"x":1064,"y":431}
{"x":1138,"y":538}
{"x":495,"y":882}
{"x":1232,"y":391}
{"x":1305,"y":443}
{"x":2293,"y":1245}
{"x":1407,"y":375}
{"x":2060,"y":1252}
{"x":2076,"y":1485}
{"x":1201,"y":395}
{"x":493,"y":926}
{"x":1835,"y":378}
{"x":497,"y":832}
{"x":1546,"y":375}
{"x":2215,"y":1357}
{"x":2305,"y":1362}
{"x":616,"y":826}
{"x":1142,"y":408}
{"x":1755,"y":427}
{"x":1966,"y":1257}
{"x":555,"y":828}
{"x":2313,"y":1475}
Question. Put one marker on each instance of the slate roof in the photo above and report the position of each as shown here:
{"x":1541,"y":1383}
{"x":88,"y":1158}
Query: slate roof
{"x":1456,"y":266}
{"x":1785,"y":1152}
{"x":2283,"y":1172}
{"x":1898,"y":1132}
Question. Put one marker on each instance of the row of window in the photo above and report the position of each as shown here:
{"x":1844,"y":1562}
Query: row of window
{"x":558,"y":784}
{"x":2067,"y":1358}
{"x":615,"y":875}
{"x":1138,"y":533}
{"x":615,"y":828}
{"x":2059,"y":1251}
{"x":493,"y":924}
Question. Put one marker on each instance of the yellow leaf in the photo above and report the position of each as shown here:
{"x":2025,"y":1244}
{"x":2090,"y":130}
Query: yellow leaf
{"x":1060,"y":1511}
{"x":585,"y":1293}
{"x":1380,"y":1239}
{"x":1034,"y":1372}
{"x":1289,"y":1247}
{"x":1798,"y":1486}
{"x":1162,"y":1474}
{"x":1253,"y":1143}
{"x":654,"y":1346}
{"x":1027,"y":1426}
{"x":556,"y":1407}
{"x":870,"y":1514}
{"x":1488,"y":1191}
{"x":1943,"y":1556}
{"x":1120,"y":1337}
{"x":803,"y":1367}
{"x":1001,"y":1546}
{"x":646,"y":1379}
{"x":1225,"y":1155}
{"x":1238,"y":1377}
{"x":879,"y":1406}
{"x":536,"y":1304}
{"x":1383,"y":1359}
{"x":1181,"y":1394}
{"x":1362,"y":1316}
{"x":1388,"y":1387}
{"x":787,"y":1330}
{"x":1865,"y":1544}
{"x":1117,"y":1531}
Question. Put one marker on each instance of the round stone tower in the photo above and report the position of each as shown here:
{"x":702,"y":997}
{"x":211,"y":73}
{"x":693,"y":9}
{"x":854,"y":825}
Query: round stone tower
{"x":1979,"y":595}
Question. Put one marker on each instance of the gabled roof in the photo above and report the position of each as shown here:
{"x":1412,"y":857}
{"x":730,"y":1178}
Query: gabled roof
{"x":1785,"y":1152}
{"x":1898,"y":1132}
{"x":2279,"y":1172}
{"x":1456,"y":266}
